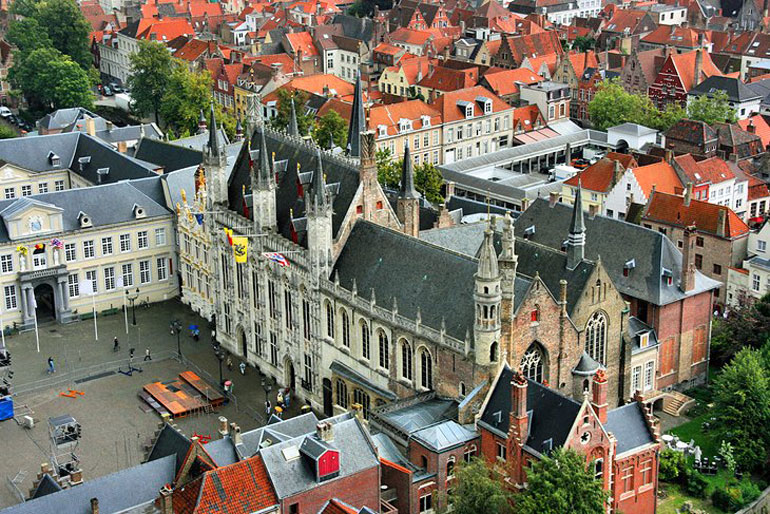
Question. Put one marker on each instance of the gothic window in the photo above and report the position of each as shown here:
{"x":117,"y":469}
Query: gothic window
{"x":450,"y":467}
{"x":384,"y":350}
{"x":342,"y":394}
{"x":361,"y":398}
{"x":532,"y":363}
{"x":596,"y":337}
{"x":329,"y":320}
{"x":426,"y":369}
{"x":406,"y":360}
{"x":306,"y":318}
{"x":493,"y":351}
{"x":365,"y":352}
{"x":288,"y":308}
{"x":345,"y":329}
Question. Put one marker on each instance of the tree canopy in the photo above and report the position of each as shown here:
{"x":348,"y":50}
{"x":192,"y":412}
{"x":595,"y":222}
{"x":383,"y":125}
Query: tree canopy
{"x":427,"y":178}
{"x":334,"y":124}
{"x":281,"y":120}
{"x":151,"y":70}
{"x":583,"y":43}
{"x":479,"y":490}
{"x":50,"y":80}
{"x":711,"y":108}
{"x":561,"y":483}
{"x":744,"y":327}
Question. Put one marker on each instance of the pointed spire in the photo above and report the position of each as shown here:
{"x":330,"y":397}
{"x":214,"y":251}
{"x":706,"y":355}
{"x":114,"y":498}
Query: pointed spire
{"x":331,"y":141}
{"x":320,"y":199}
{"x":238,"y":129}
{"x":357,"y":120}
{"x":265,"y":170}
{"x":213,"y":144}
{"x":488,"y":258}
{"x":407,"y":176}
{"x":577,"y":232}
{"x":577,"y":226}
{"x":293,"y":126}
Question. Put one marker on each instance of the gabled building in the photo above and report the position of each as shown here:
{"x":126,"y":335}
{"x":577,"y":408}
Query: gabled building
{"x":741,"y":98}
{"x":401,"y":79}
{"x":505,"y":83}
{"x":693,"y":137}
{"x":640,"y":70}
{"x":679,"y":75}
{"x":681,"y":39}
{"x":713,"y":180}
{"x":625,"y":28}
{"x":513,"y":49}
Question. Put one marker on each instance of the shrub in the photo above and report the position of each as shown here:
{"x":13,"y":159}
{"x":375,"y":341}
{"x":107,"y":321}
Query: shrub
{"x":749,"y":490}
{"x":734,"y":497}
{"x":696,"y":484}
{"x":672,"y":466}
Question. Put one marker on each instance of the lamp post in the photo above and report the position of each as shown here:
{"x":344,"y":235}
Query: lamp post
{"x":132,"y":298}
{"x":221,"y":357}
{"x":176,"y":328}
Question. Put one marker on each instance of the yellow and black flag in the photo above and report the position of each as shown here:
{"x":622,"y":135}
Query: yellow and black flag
{"x":240,"y":248}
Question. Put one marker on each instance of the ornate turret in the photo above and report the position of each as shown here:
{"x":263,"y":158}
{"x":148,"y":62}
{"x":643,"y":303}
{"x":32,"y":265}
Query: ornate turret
{"x":577,"y":232}
{"x":202,"y":123}
{"x":263,"y":188}
{"x":319,"y":221}
{"x":487,"y":297}
{"x":408,"y":203}
{"x":508,"y":262}
{"x":238,"y":130}
{"x":357,"y":120}
{"x":215,"y":164}
{"x":293,"y":126}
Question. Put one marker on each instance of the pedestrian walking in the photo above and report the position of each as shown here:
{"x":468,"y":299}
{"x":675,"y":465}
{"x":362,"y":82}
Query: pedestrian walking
{"x":279,"y":412}
{"x":131,"y":353}
{"x":242,"y":366}
{"x":230,"y":362}
{"x":115,"y":344}
{"x":147,"y":356}
{"x":287,"y":397}
{"x":279,"y":401}
{"x":268,"y":408}
{"x":51,"y":367}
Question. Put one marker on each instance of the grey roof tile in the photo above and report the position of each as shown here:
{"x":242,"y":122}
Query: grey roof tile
{"x":628,"y":426}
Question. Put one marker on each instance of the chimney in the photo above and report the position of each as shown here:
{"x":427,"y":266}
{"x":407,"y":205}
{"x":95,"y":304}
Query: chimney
{"x":223,"y":426}
{"x":553,"y":198}
{"x":165,"y":501}
{"x":90,"y":126}
{"x":325,"y":431}
{"x":76,"y":477}
{"x":701,"y":40}
{"x":617,"y":172}
{"x":94,"y":505}
{"x":122,"y":146}
{"x":563,"y":296}
{"x":698,"y":66}
{"x":450,"y":190}
{"x":688,"y":259}
{"x":688,"y":194}
{"x":599,"y":396}
{"x":519,"y":419}
{"x":593,"y":210}
{"x":235,"y":433}
{"x":722,"y":223}
{"x":669,"y":156}
{"x":110,"y":126}
{"x":276,"y":68}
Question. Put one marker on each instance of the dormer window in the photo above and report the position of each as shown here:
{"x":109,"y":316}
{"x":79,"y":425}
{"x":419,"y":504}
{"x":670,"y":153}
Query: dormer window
{"x":54,"y":159}
{"x":84,"y":220}
{"x":404,"y":125}
{"x":529,"y":232}
{"x":382,"y":130}
{"x":668,"y":277}
{"x":425,"y":120}
{"x":628,"y":266}
{"x":469,"y":111}
{"x":139,"y":212}
{"x":644,"y":340}
{"x":485,"y":103}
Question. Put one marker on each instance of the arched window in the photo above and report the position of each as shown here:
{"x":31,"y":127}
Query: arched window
{"x":462,"y":389}
{"x":406,"y":360}
{"x":470,"y":452}
{"x":362,"y":398}
{"x":532,"y":363}
{"x":599,"y":469}
{"x":424,"y":462}
{"x":384,"y":350}
{"x":493,"y":352}
{"x":450,"y":467}
{"x":329,"y":320}
{"x":426,"y":369}
{"x":345,"y":329}
{"x":342,"y":394}
{"x":596,"y":337}
{"x":365,"y":352}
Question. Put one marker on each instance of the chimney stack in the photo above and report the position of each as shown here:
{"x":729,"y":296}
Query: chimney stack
{"x":617,"y":172}
{"x":599,"y":396}
{"x":325,"y":431}
{"x":223,"y":426}
{"x":698,"y":66}
{"x":235,"y":433}
{"x":553,"y":198}
{"x":519,"y":420}
{"x":94,"y":505}
{"x":688,"y":259}
{"x":751,"y":129}
{"x":563,"y":296}
{"x":722,"y":223}
{"x":669,"y":156}
{"x":165,"y":501}
{"x":90,"y":126}
{"x":593,"y":210}
{"x":688,"y":194}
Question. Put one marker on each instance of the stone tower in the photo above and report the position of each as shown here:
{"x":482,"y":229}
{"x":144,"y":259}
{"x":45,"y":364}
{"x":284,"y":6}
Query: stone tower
{"x":319,"y":221}
{"x":357,"y":120}
{"x":576,"y":241}
{"x":263,"y":188}
{"x":508,"y":263}
{"x":408,"y":204}
{"x":215,"y":165}
{"x":487,"y":296}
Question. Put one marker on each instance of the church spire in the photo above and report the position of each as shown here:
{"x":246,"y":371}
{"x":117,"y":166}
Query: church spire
{"x":293,"y":126}
{"x":265,"y":170}
{"x":488,"y":269}
{"x":320,"y":199}
{"x":213,"y":143}
{"x":577,"y":232}
{"x":407,"y":176}
{"x":357,"y":120}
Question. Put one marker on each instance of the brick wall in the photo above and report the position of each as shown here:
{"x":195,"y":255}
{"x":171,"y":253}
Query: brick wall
{"x":359,"y":490}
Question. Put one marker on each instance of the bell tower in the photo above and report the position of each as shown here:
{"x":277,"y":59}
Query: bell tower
{"x":487,"y":328}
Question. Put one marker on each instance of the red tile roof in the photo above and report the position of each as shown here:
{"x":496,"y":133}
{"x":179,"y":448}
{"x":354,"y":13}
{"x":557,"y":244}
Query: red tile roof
{"x":450,"y":111}
{"x":708,"y":171}
{"x":449,"y":79}
{"x":302,"y":41}
{"x":674,"y":36}
{"x":413,"y":67}
{"x":685,"y":67}
{"x":661,"y":175}
{"x":626,"y":19}
{"x":283,"y":59}
{"x":389,"y":115}
{"x":505,"y":82}
{"x":163,"y":30}
{"x":527,"y":118}
{"x":761,"y":128}
{"x":336,"y":506}
{"x":410,"y":37}
{"x":600,"y":175}
{"x":671,"y":210}
{"x":757,"y":189}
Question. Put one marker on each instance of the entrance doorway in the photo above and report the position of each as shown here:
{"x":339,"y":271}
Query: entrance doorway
{"x":327,"y":387}
{"x":244,"y":344}
{"x":290,"y":378}
{"x":46,"y":303}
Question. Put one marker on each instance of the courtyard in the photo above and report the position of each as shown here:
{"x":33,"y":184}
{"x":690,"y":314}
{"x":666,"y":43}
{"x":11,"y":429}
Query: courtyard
{"x":115,"y":423}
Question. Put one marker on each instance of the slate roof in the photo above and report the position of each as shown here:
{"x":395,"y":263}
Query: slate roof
{"x":415,"y":273}
{"x":628,"y":426}
{"x":736,"y":90}
{"x":340,"y":369}
{"x":120,"y":208}
{"x":616,"y":242}
{"x":143,"y":481}
{"x":444,"y":436}
{"x":170,"y":441}
{"x":413,"y":418}
{"x":169,"y":156}
{"x":287,"y":429}
{"x":552,"y":414}
{"x":355,"y":27}
{"x":46,"y":486}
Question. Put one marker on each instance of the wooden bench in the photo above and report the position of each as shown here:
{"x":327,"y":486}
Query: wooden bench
{"x":86,"y":315}
{"x":110,"y":312}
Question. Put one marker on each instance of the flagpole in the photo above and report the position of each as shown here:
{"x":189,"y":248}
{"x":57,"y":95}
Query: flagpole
{"x":37,"y":335}
{"x":125,"y":312}
{"x":2,"y":333}
{"x":96,"y":331}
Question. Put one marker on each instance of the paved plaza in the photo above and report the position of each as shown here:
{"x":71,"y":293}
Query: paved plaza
{"x":115,"y":428}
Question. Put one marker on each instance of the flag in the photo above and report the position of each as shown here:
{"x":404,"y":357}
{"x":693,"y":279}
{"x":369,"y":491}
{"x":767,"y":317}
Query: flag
{"x":229,"y":234}
{"x":57,"y":243}
{"x":199,"y":218}
{"x":22,"y":249}
{"x":39,"y":248}
{"x":277,"y":258}
{"x":245,"y":206}
{"x":240,"y":249}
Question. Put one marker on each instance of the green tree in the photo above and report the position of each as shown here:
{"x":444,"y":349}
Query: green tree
{"x":331,"y":123}
{"x":612,"y":105}
{"x":7,"y":132}
{"x":67,"y":28}
{"x":744,"y":327}
{"x":428,"y":181}
{"x":742,"y":408}
{"x":387,"y":173}
{"x":562,"y":483}
{"x":27,"y":35}
{"x":281,"y":120}
{"x":711,"y":108}
{"x":151,"y":69}
{"x":24,"y":8}
{"x":665,"y":119}
{"x":583,"y":43}
{"x":479,"y":490}
{"x":50,"y":80}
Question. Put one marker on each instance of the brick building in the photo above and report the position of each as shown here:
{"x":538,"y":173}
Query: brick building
{"x":679,"y":74}
{"x":692,"y":137}
{"x":721,"y":237}
{"x":521,"y":420}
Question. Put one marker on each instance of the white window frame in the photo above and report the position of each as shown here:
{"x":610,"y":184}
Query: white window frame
{"x":70,"y":252}
{"x":89,"y":249}
{"x":145,"y":275}
{"x":125,"y":243}
{"x":160,"y":236}
{"x":142,"y":240}
{"x":162,"y":269}
{"x":109,"y":278}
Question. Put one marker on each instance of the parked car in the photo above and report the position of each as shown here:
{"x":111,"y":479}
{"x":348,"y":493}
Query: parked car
{"x":108,"y":91}
{"x":580,"y":164}
{"x":5,"y":112}
{"x":117,"y":88}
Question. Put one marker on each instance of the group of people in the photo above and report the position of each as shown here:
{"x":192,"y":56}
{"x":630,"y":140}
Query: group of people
{"x":282,"y":401}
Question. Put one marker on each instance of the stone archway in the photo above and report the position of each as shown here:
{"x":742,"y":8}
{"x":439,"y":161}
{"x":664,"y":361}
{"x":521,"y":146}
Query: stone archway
{"x":289,"y":376}
{"x":45,"y":301}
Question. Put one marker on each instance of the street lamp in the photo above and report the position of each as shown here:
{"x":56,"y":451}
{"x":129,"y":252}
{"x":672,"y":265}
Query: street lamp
{"x":132,"y":298}
{"x":221,"y":356}
{"x":176,"y":328}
